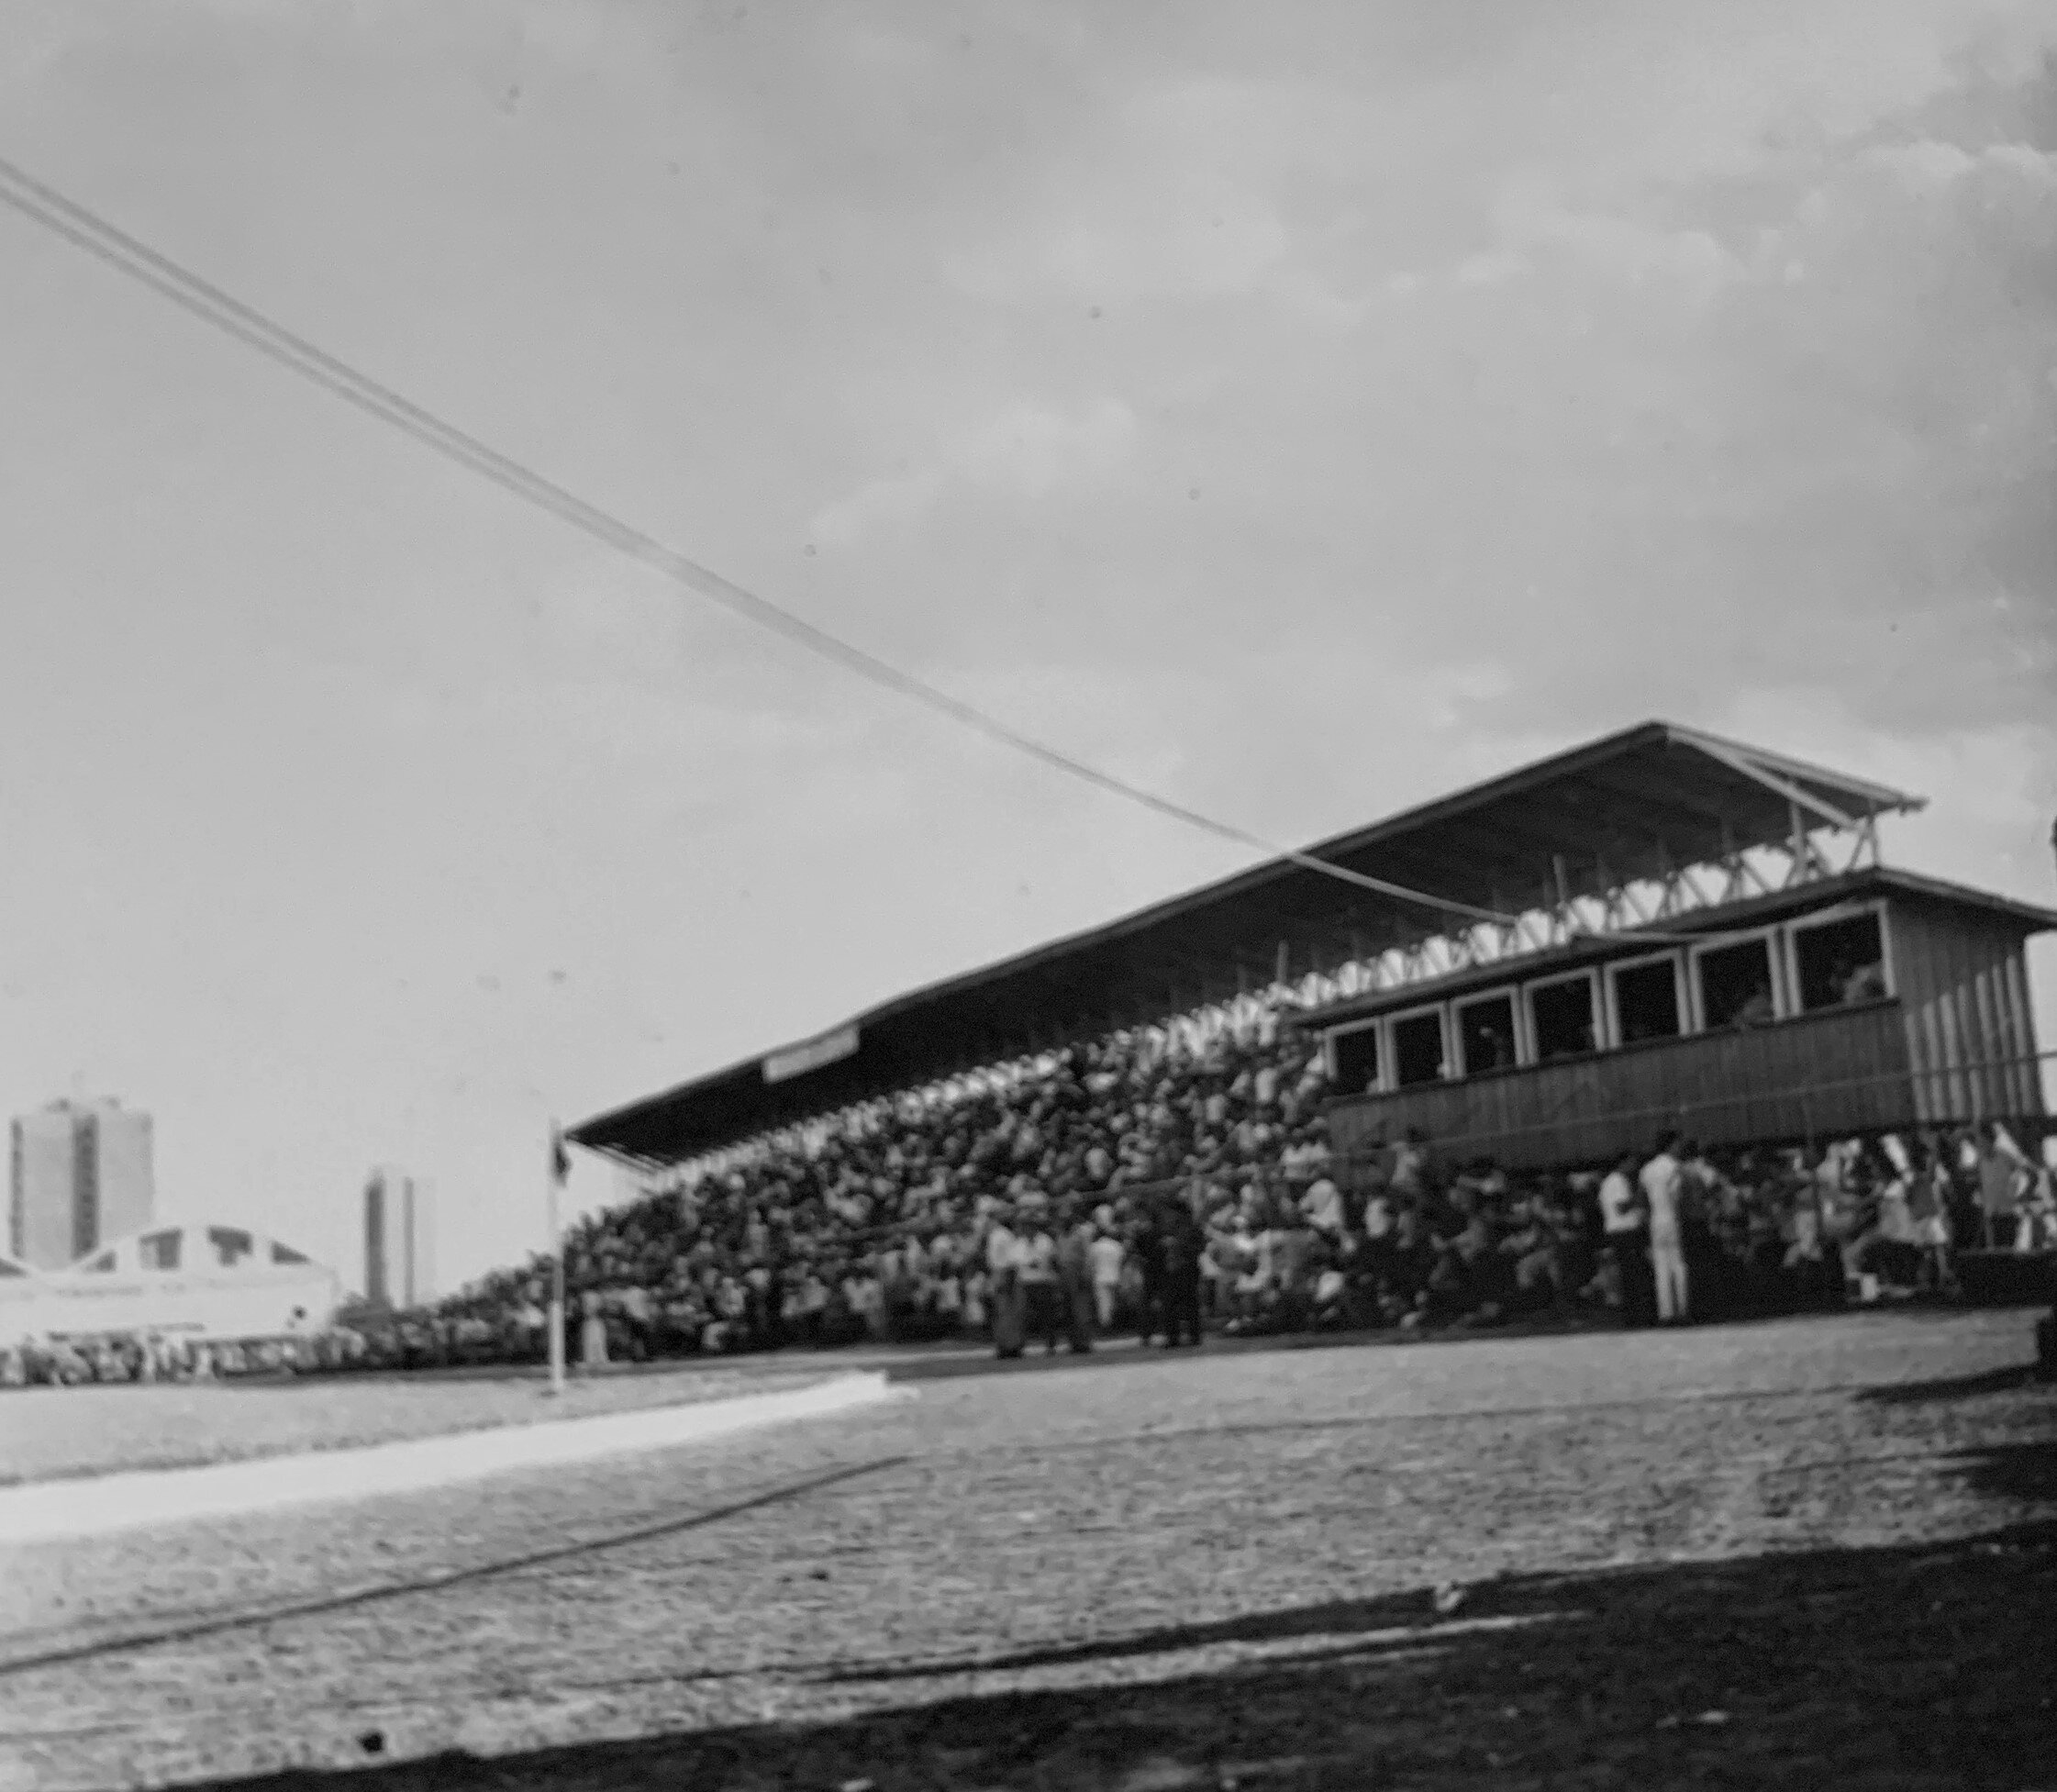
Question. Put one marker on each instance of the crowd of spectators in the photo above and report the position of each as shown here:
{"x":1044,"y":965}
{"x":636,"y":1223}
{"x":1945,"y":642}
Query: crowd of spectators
{"x":879,"y":1229}
{"x":1097,"y":1185}
{"x":152,"y":1356}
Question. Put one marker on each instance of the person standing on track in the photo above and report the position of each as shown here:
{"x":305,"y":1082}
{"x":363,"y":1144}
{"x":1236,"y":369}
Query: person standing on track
{"x":1002,"y":1268}
{"x":1182,"y":1244}
{"x":1663,"y":1179}
{"x":1626,"y":1236}
{"x":1148,"y":1244}
{"x":1042,"y":1293}
{"x":1074,"y":1275}
{"x":1108,"y":1258}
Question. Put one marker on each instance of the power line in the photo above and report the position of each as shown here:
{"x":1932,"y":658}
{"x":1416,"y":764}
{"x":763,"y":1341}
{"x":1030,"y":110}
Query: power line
{"x":43,"y":205}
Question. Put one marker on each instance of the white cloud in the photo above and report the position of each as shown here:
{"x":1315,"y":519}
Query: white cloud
{"x":1536,"y":232}
{"x":1029,"y":450}
{"x":1924,"y":165}
{"x":881,"y":504}
{"x":1491,"y":267}
{"x":1189,"y":239}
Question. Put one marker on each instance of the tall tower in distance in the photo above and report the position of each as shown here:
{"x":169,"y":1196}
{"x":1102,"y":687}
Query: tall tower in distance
{"x":81,"y":1174}
{"x":399,"y":1239}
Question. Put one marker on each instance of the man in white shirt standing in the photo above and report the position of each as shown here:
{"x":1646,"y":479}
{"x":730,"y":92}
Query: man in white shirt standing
{"x":1663,"y":1180}
{"x":1622,"y":1222}
{"x":1002,"y":1265}
{"x":1106,"y":1256}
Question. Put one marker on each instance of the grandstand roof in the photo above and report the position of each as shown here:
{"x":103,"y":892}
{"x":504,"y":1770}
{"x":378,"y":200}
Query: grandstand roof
{"x":1630,"y":806}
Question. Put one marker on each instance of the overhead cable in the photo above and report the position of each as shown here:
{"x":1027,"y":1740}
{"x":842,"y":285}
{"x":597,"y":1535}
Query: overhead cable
{"x":43,"y":205}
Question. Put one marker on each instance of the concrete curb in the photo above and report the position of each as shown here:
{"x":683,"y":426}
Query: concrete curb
{"x":42,"y":1510}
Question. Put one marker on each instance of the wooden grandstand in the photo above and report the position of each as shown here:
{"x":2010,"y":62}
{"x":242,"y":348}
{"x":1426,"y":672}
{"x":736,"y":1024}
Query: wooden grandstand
{"x":1686,"y":930}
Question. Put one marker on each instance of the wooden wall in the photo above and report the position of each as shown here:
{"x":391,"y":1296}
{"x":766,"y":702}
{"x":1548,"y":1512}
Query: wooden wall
{"x":1826,"y":1075}
{"x":1957,"y":1044}
{"x":1964,"y":986}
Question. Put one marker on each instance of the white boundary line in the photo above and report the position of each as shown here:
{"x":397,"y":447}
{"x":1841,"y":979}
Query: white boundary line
{"x":93,"y":1506}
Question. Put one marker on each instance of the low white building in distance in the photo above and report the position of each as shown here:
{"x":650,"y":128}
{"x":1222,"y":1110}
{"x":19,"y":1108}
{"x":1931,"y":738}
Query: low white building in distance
{"x":192,"y":1281}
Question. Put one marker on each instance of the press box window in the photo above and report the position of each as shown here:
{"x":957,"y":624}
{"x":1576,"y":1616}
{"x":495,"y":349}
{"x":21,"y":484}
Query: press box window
{"x":1646,"y":1002}
{"x":1356,"y":1060}
{"x":1564,"y":1019}
{"x":159,"y":1251}
{"x":1736,"y":985}
{"x":1485,"y":1034}
{"x":1417,"y":1048}
{"x":1839,"y":963}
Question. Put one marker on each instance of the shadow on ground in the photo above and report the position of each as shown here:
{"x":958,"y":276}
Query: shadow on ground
{"x":2024,"y":1472}
{"x":1952,"y":1388}
{"x":1909,"y":1667}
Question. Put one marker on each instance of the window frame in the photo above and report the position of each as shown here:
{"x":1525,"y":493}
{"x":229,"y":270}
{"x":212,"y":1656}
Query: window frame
{"x":1829,"y":916}
{"x":1453,"y":1033}
{"x":1390,"y":1050}
{"x":1375,"y":1026}
{"x":1775,"y":961}
{"x":1532,"y":1044}
{"x":1681,"y":995}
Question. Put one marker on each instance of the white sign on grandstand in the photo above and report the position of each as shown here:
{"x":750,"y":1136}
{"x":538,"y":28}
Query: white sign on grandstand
{"x":796,"y":1060}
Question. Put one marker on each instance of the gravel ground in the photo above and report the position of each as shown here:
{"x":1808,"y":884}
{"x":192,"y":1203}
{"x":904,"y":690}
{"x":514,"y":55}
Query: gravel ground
{"x":1794,"y":1553}
{"x":50,"y":1432}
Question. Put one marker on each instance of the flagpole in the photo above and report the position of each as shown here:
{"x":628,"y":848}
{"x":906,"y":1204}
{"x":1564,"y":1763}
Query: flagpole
{"x":556,"y":1266}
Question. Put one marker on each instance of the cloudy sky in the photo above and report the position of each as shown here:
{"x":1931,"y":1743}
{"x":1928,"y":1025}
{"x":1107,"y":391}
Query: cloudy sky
{"x":1302,"y":409}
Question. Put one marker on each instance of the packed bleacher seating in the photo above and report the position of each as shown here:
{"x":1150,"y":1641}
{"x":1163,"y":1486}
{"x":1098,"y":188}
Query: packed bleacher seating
{"x":1095,"y":1182}
{"x":877,"y":1227}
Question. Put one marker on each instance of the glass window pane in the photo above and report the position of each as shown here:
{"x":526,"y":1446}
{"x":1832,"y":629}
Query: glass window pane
{"x":1736,"y":985}
{"x":160,"y":1251}
{"x":1646,"y":999}
{"x":1839,"y":963}
{"x":1485,"y":1034}
{"x":1563,"y":1013}
{"x":1417,"y":1048}
{"x":1357,"y":1060}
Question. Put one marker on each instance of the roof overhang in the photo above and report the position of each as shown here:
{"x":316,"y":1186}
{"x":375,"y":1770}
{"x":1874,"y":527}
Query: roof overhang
{"x":1637,"y":805}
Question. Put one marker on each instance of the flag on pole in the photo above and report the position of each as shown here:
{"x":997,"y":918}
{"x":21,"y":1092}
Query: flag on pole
{"x":560,"y":1168}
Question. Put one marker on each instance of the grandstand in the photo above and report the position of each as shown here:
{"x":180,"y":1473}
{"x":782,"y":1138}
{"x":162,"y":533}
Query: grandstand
{"x":1355,"y":1114}
{"x":1672,"y":910}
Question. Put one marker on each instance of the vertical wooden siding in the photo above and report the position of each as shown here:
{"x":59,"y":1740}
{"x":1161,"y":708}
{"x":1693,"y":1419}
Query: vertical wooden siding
{"x":1962,"y":983}
{"x":1844,"y":1071}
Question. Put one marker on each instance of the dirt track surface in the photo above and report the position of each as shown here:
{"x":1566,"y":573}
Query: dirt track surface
{"x":48,"y":1433}
{"x":1801,"y":1555}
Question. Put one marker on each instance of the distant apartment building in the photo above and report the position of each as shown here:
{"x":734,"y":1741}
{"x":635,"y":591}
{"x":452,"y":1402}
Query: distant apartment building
{"x":399,"y":1239}
{"x":81,"y":1176}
